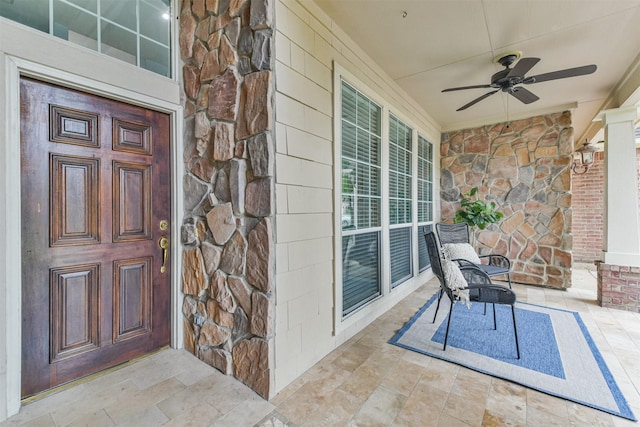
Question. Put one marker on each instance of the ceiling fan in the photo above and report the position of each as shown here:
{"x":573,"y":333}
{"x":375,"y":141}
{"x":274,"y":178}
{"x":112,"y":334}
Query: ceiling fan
{"x":507,"y":80}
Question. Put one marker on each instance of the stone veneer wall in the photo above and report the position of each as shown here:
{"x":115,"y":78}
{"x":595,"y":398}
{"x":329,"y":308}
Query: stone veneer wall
{"x":525,"y":169}
{"x":227,"y":278}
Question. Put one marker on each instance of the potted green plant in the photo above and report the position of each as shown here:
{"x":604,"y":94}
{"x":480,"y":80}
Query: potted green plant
{"x":475,"y":212}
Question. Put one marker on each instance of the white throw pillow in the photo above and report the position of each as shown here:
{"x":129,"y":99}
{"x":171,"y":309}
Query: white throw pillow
{"x":462,"y":251}
{"x":454,"y":278}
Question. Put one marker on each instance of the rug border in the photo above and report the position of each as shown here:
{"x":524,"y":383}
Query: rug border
{"x":625,"y":410}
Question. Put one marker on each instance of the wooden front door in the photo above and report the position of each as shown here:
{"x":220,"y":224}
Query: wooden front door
{"x":95,"y":194}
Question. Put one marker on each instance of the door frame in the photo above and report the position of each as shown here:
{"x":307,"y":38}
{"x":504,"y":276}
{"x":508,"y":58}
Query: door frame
{"x":10,"y":273}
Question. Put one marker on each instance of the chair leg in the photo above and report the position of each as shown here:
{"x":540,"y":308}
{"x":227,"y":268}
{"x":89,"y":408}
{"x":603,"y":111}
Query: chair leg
{"x":494,"y":317}
{"x":509,"y":279}
{"x":515,"y":330}
{"x":446,"y":334}
{"x":437,"y":306}
{"x":485,"y":309}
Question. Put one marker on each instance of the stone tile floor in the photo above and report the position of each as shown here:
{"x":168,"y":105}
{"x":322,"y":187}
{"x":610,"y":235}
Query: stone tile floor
{"x":365,"y":382}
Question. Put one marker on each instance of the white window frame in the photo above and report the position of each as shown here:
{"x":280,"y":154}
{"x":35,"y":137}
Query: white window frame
{"x":433,"y":193}
{"x":413,"y":200}
{"x":100,"y":19}
{"x":369,"y":229}
{"x":347,"y":326}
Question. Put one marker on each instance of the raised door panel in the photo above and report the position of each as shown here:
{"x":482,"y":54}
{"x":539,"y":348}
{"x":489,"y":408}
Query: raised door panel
{"x":131,"y":202}
{"x":74,"y":211}
{"x":132,"y":298}
{"x":75,"y":317}
{"x":70,"y":126}
{"x":132,"y":137}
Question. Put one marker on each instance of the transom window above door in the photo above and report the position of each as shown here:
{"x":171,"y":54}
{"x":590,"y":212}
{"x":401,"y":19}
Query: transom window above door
{"x":134,"y":31}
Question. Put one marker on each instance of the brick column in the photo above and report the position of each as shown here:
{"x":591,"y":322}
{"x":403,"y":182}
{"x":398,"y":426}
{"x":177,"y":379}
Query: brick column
{"x":619,"y":287}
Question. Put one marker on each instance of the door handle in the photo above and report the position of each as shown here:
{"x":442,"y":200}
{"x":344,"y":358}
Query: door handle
{"x":164,"y":244}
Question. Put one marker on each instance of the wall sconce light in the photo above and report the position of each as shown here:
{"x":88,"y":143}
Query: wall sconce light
{"x":583,"y":158}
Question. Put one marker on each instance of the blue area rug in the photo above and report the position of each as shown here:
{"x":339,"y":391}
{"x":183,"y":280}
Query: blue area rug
{"x":557,"y":354}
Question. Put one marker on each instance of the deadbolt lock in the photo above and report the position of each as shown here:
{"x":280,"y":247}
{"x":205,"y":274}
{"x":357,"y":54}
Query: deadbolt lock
{"x":164,"y":224}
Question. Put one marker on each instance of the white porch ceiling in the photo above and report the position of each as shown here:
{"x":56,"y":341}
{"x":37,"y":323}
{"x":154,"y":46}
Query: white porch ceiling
{"x":448,"y":43}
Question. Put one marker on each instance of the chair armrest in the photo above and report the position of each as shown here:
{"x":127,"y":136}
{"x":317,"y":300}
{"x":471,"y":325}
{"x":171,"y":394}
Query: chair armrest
{"x":474,"y":275}
{"x":497,"y":260}
{"x":464,"y":262}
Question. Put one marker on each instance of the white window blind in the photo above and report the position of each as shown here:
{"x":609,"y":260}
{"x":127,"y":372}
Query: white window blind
{"x":400,"y":137}
{"x":400,"y":243}
{"x":400,"y":200}
{"x":425,"y":198}
{"x":423,"y":254}
{"x":425,"y":180}
{"x":360,"y":270}
{"x":361,"y":199}
{"x":361,"y":138}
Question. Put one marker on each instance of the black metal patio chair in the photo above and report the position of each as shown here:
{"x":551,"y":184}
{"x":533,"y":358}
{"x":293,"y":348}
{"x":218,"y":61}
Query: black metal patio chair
{"x":496,"y":264}
{"x":479,"y":286}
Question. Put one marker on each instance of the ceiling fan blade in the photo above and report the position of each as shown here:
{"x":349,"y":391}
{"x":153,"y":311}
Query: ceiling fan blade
{"x":466,"y":87}
{"x":524,"y":95}
{"x":561,"y":74}
{"x":478,"y":99}
{"x":523,"y":66}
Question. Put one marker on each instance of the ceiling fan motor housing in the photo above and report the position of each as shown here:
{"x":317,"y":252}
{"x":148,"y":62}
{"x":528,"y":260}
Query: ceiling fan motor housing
{"x":502,"y":80}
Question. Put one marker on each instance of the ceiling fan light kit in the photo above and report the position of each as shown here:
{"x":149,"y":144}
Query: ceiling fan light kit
{"x":509,"y":79}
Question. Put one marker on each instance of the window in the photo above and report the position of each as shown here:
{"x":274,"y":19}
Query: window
{"x":134,"y":31}
{"x":425,"y":198}
{"x":384,"y":174}
{"x":400,"y":200}
{"x":361,"y":199}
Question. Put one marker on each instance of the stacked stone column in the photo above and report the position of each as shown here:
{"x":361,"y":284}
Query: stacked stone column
{"x":228,"y":245}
